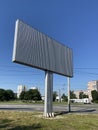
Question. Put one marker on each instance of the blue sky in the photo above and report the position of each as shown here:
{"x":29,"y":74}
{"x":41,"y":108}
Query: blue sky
{"x":72,"y":22}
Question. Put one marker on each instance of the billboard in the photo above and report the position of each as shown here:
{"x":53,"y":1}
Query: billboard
{"x":36,"y":49}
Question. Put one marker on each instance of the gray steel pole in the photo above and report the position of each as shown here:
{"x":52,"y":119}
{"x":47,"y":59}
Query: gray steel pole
{"x":48,"y":107}
{"x":59,"y":95}
{"x":69,"y":107}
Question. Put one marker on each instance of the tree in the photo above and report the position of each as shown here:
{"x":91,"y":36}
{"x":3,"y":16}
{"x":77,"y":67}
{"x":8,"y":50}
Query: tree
{"x":23,"y":95}
{"x":29,"y":94}
{"x":32,"y":94}
{"x":82,"y":95}
{"x":72,"y":95}
{"x":85,"y":96}
{"x":6,"y":95}
{"x":54,"y":95}
{"x":2,"y":95}
{"x":94,"y":94}
{"x":64,"y":97}
{"x":36,"y":95}
{"x":9,"y":95}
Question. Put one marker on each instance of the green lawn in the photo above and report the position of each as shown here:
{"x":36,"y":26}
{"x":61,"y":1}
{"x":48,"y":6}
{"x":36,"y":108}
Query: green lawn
{"x":14,"y":120}
{"x":38,"y":102}
{"x":17,"y":102}
{"x":12,"y":102}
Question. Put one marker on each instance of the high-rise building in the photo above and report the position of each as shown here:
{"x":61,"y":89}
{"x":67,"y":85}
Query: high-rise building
{"x":77,"y":93}
{"x":20,"y":89}
{"x":34,"y":87}
{"x":92,"y":85}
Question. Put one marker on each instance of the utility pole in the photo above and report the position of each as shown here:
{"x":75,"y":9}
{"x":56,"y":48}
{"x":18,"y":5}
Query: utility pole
{"x":69,"y":108}
{"x":59,"y":95}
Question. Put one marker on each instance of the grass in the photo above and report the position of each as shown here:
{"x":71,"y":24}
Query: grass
{"x":38,"y":102}
{"x":17,"y":120}
{"x":17,"y":102}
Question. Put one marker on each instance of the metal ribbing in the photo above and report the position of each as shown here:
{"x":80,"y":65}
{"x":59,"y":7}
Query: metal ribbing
{"x":36,"y":49}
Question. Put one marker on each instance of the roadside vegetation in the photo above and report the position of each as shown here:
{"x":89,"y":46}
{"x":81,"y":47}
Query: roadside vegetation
{"x":14,"y":120}
{"x":34,"y":96}
{"x":7,"y":95}
{"x":18,"y":120}
{"x":30,"y":95}
{"x":95,"y":96}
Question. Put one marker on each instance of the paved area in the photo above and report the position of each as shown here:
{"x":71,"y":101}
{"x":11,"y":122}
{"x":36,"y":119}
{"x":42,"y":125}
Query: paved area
{"x":84,"y":108}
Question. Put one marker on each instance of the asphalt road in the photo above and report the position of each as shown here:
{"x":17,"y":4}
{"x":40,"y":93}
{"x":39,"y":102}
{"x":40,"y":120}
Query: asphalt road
{"x":84,"y":108}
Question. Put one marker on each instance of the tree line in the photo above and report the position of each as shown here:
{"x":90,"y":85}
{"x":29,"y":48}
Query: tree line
{"x":30,"y":95}
{"x":82,"y":95}
{"x":7,"y":95}
{"x":72,"y":96}
{"x":94,"y":96}
{"x":34,"y":95}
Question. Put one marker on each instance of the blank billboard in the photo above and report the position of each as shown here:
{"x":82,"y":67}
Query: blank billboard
{"x":34,"y":48}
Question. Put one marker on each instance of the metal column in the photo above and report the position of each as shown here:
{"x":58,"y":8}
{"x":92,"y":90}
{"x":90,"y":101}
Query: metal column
{"x":69,"y":108}
{"x":48,"y":107}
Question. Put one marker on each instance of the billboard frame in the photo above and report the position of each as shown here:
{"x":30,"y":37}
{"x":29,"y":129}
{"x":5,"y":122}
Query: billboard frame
{"x":42,"y":52}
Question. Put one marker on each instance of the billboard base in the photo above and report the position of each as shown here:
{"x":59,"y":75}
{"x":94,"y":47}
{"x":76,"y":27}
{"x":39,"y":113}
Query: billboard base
{"x":48,"y":106}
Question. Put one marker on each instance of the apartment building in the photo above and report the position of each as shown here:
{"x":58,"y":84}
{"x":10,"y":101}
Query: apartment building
{"x":77,"y":92}
{"x":92,"y":85}
{"x":21,"y":88}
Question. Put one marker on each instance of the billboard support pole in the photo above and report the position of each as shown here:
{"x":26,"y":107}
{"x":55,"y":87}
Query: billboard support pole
{"x":69,"y":107}
{"x":48,"y":107}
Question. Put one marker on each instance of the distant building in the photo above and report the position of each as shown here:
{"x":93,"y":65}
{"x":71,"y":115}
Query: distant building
{"x":43,"y":98}
{"x":92,"y":85}
{"x":77,"y":92}
{"x":34,"y":88}
{"x":20,"y":89}
{"x":83,"y":100}
{"x":59,"y":99}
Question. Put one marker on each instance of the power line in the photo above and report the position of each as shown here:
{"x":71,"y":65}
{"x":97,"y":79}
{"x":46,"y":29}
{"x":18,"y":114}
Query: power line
{"x":85,"y":68}
{"x":4,"y":65}
{"x":86,"y":72}
{"x":9,"y":68}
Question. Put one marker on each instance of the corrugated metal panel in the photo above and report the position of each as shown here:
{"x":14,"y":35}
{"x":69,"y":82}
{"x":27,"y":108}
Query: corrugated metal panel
{"x":36,"y":49}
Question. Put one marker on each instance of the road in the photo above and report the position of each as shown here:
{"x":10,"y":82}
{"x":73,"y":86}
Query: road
{"x":84,"y":108}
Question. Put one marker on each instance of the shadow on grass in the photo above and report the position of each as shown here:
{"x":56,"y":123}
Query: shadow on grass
{"x":32,"y":127}
{"x":18,"y":109}
{"x":6,"y":124}
{"x":84,"y":111}
{"x":60,"y":113}
{"x":78,"y":111}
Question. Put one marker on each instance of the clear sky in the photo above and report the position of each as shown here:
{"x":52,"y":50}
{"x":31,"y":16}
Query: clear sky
{"x":72,"y":22}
